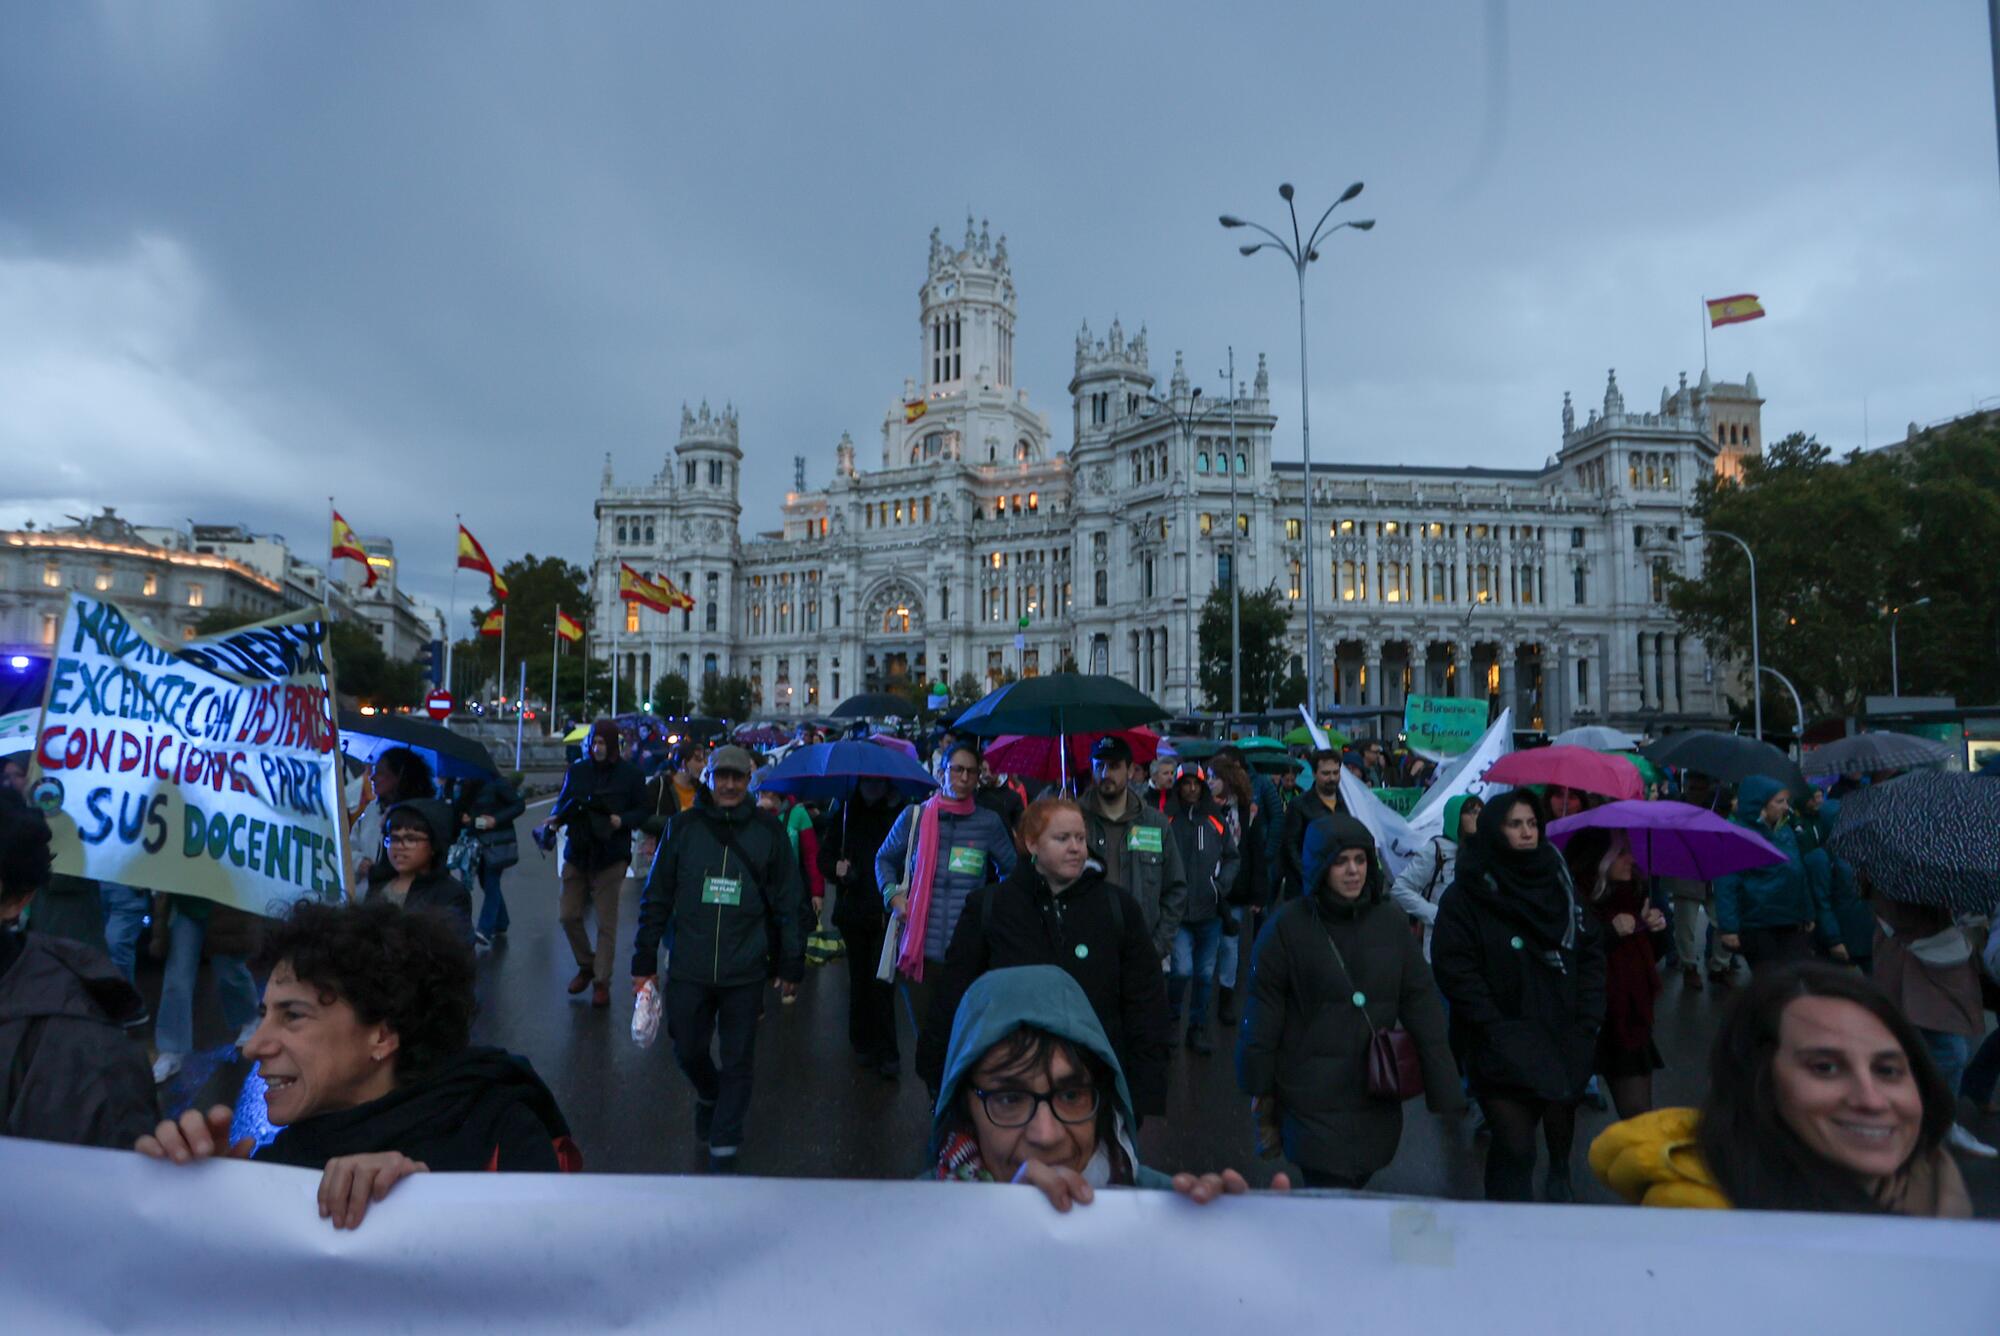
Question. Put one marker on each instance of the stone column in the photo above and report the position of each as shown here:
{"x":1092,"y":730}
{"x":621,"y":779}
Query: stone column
{"x":1419,"y":668}
{"x":1378,"y":678}
{"x":1508,"y":652}
{"x":1461,"y":654}
{"x":1555,"y":685}
{"x":1671,"y":647}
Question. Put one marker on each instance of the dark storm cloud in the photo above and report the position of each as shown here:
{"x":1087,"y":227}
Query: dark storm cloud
{"x":435,"y":258}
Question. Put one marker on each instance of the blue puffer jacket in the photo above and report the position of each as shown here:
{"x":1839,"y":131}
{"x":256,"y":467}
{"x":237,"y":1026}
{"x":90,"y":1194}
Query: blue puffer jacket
{"x":981,"y":832}
{"x":1781,"y":895}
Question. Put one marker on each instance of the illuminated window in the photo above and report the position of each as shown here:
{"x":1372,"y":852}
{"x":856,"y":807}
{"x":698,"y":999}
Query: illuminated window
{"x":151,"y":587}
{"x":197,"y":596}
{"x":1293,"y":528}
{"x":103,"y":580}
{"x":187,"y":633}
{"x":1034,"y":502}
{"x":48,"y":628}
{"x":927,"y":510}
{"x":631,"y":619}
{"x":899,"y":512}
{"x":51,"y":574}
{"x":1346,"y":581}
{"x":1243,"y":525}
{"x":1389,"y":526}
{"x":1292,"y":587}
{"x":997,"y":561}
{"x":1206,"y":522}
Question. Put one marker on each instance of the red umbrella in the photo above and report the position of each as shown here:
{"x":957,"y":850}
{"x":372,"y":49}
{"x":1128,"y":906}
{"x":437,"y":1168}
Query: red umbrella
{"x":1039,"y":758}
{"x":1570,"y":768}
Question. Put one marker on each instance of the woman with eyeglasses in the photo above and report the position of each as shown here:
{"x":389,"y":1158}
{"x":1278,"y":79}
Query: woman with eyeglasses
{"x":1033,"y":1093}
{"x":937,"y":854}
{"x":416,"y":836}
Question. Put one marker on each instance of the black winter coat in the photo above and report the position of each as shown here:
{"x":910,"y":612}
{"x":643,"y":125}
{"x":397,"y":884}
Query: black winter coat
{"x":493,"y":796}
{"x":485,"y":1109}
{"x":1104,"y":946}
{"x":855,"y":831}
{"x":1520,"y":1024}
{"x":1304,"y":1041}
{"x":436,"y":891}
{"x":724,"y":935}
{"x":591,"y":795}
{"x":1305,"y":809}
{"x":68,"y":1072}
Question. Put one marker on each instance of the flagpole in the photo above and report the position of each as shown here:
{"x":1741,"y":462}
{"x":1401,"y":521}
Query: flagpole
{"x":451,"y":618}
{"x":502,"y":678}
{"x":616,"y":628}
{"x":1704,"y":336}
{"x":555,"y":654}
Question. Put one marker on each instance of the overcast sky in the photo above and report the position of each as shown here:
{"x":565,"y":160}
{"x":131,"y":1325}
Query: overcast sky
{"x":437,"y":258}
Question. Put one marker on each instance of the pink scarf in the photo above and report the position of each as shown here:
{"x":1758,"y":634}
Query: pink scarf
{"x":923,"y":874}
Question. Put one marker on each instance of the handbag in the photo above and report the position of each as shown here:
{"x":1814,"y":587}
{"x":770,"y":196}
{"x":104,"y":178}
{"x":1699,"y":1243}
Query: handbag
{"x":1393,"y":1069}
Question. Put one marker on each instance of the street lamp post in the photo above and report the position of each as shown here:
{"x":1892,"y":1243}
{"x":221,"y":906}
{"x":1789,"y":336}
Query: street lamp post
{"x":1798,"y":711}
{"x":1235,"y":556}
{"x":1895,"y":667}
{"x":1302,"y":252}
{"x":1186,"y":421}
{"x":1756,"y":648}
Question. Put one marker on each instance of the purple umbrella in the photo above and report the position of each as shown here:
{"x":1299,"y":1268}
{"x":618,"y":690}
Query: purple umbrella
{"x":1671,"y":839}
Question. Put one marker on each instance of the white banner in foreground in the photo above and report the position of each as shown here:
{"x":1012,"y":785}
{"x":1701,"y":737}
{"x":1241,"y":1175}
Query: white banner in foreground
{"x":109,"y":1241}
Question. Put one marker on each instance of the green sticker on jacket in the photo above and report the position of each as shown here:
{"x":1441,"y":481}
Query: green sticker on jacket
{"x":722,"y":890}
{"x":966,"y":861}
{"x":1145,"y":840}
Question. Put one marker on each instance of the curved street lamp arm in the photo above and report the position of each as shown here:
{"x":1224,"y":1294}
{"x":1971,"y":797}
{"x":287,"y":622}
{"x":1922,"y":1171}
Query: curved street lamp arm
{"x":1276,"y":240}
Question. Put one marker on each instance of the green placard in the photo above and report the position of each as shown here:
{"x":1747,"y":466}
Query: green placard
{"x":1145,"y":840}
{"x":1443,"y":726}
{"x":967,"y":862}
{"x":1400,"y":801}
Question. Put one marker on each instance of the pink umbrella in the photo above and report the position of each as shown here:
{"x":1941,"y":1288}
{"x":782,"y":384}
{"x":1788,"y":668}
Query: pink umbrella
{"x":893,"y":743}
{"x":1671,"y":839}
{"x":1569,"y":767}
{"x":1041,"y":757}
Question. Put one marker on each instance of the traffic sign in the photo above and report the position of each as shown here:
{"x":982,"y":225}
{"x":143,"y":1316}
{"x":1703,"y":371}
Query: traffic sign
{"x":438,"y":705}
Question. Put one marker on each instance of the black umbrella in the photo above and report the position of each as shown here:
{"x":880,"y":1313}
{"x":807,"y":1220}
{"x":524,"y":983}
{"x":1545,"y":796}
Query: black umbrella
{"x":1926,"y":838}
{"x":875,"y":705}
{"x":1725,"y":756}
{"x":1867,"y":753}
{"x":1059,"y":704}
{"x":450,"y":755}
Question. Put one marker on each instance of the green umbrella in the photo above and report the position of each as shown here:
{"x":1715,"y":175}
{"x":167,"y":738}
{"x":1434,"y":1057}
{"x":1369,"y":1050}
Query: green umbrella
{"x":1648,"y":772}
{"x":1059,"y":704}
{"x":1302,"y":737}
{"x":1255,"y":743}
{"x":1192,"y":749}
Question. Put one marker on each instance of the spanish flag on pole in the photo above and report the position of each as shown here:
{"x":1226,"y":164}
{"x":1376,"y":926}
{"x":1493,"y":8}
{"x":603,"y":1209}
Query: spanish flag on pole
{"x":472,"y":557}
{"x":681,"y":598}
{"x":915,"y":409}
{"x":494,"y":623}
{"x":346,"y":547}
{"x":567,"y":626}
{"x":1734,"y":310}
{"x":636,"y":588}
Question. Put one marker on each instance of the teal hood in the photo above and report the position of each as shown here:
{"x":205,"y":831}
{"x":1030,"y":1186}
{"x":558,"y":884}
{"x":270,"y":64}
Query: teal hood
{"x":1751,"y":796}
{"x":1453,"y":808}
{"x":1000,"y":1002}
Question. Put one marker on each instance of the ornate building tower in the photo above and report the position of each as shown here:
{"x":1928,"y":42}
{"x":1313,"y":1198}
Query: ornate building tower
{"x":708,"y":461}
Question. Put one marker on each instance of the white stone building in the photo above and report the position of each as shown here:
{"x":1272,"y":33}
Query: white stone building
{"x":974,"y":544}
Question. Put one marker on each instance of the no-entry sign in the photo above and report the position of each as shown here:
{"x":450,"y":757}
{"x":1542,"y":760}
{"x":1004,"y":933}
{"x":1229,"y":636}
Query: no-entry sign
{"x":438,"y":705}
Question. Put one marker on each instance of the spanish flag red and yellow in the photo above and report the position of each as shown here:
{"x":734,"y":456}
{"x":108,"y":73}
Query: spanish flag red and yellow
{"x":654,"y":591}
{"x":347,"y":547}
{"x":472,"y":557}
{"x":567,"y":626}
{"x":915,"y":409}
{"x":1734,"y":310}
{"x":494,"y":623}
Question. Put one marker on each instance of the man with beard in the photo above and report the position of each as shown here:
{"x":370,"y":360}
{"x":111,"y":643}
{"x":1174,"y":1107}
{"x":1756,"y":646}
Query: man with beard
{"x":1128,"y":837}
{"x":1322,"y":800}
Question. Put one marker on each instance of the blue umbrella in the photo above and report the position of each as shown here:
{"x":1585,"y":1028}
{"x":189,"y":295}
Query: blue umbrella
{"x":832,"y":769}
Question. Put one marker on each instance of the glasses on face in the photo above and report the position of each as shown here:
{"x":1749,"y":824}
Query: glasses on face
{"x":405,"y":839}
{"x":963,"y":771}
{"x":1017,"y":1108}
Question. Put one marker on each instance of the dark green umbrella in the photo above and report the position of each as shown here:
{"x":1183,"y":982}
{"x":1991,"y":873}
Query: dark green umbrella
{"x":1191,"y":749}
{"x":1059,"y":704}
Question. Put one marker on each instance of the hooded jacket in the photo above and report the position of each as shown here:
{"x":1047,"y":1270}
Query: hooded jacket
{"x":68,"y":1071}
{"x":492,"y":795}
{"x":1305,"y":1041}
{"x":1522,"y":966}
{"x":979,"y":831}
{"x":1655,"y":1160}
{"x":854,"y":831}
{"x":1045,"y":998}
{"x":436,"y":890}
{"x":591,"y":795}
{"x":1140,"y":844}
{"x":727,"y":880}
{"x":483,"y":1110}
{"x":1095,"y":932}
{"x":1833,"y":880}
{"x":1424,"y":879}
{"x":1307,"y":808}
{"x":1208,"y":852}
{"x":1779,"y":896}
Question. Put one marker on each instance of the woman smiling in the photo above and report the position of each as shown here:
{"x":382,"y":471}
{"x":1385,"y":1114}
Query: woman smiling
{"x":364,"y":1050}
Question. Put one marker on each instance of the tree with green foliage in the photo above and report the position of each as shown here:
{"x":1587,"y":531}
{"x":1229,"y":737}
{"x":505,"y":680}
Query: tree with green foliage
{"x":966,"y":690}
{"x":1840,"y":543}
{"x":536,"y":586}
{"x":727,"y":697}
{"x":363,"y":671}
{"x":1265,"y":616}
{"x":671,"y":695}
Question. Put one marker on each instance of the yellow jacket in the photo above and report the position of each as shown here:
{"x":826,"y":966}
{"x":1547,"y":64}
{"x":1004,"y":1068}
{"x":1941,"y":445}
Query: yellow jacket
{"x":1653,"y":1160}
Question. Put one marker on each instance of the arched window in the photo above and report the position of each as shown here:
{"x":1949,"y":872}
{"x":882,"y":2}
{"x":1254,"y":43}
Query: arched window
{"x":621,"y":531}
{"x":1242,"y":463}
{"x":649,"y":531}
{"x":1101,"y":589}
{"x":1023,"y":450}
{"x":1201,"y":462}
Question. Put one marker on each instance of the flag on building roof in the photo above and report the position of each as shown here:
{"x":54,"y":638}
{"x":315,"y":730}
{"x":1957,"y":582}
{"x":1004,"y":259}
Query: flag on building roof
{"x":1734,"y":310}
{"x":347,"y":547}
{"x":493,"y":623}
{"x":915,"y":409}
{"x":636,"y":588}
{"x":472,"y":557}
{"x":567,"y":626}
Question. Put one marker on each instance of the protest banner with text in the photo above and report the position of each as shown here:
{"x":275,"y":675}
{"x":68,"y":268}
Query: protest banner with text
{"x":1441,"y":727}
{"x":203,"y":767}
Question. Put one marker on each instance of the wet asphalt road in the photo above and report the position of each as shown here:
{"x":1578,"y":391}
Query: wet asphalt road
{"x":815,"y":1114}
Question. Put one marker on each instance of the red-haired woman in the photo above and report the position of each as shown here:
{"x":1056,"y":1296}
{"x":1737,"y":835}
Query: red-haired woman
{"x":1055,"y":910}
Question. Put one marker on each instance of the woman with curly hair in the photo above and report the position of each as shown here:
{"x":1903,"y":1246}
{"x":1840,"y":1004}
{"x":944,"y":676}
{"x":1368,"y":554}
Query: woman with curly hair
{"x":365,"y":1050}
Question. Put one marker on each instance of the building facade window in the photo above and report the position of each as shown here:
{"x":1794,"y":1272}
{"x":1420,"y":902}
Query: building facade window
{"x":48,"y":628}
{"x":151,"y":587}
{"x":52,"y":574}
{"x":1293,"y":529}
{"x":102,"y":581}
{"x":631,"y":619}
{"x":197,"y":595}
{"x":1100,"y":589}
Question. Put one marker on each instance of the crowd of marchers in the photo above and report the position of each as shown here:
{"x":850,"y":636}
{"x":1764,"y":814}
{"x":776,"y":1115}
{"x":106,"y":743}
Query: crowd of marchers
{"x":1048,"y":952}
